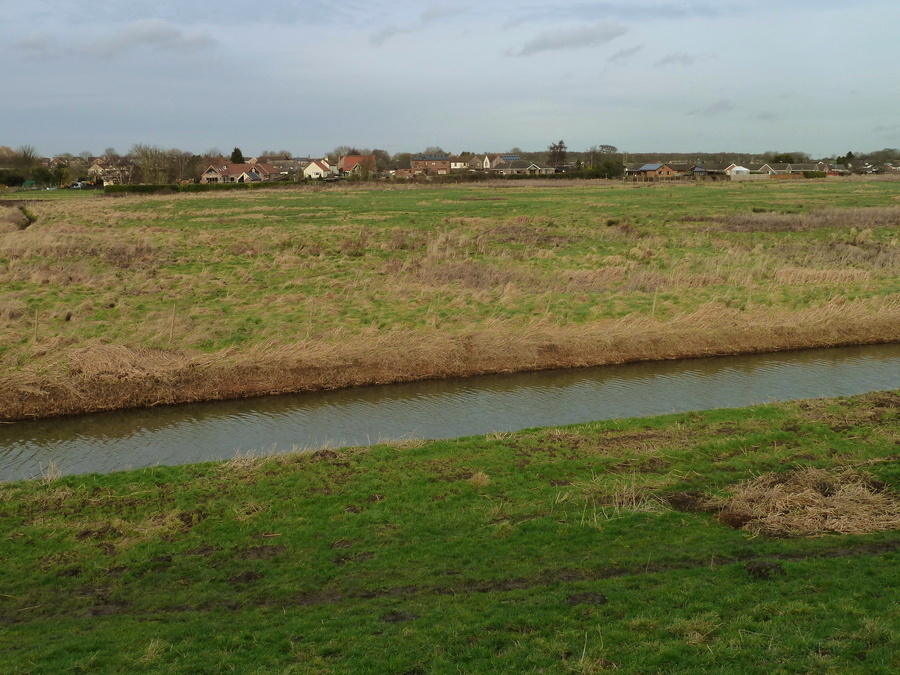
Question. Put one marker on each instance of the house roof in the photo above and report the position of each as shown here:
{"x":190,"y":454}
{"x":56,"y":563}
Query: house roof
{"x":431,"y":158}
{"x":228,"y":169}
{"x":650,"y":167}
{"x":350,"y":162}
{"x":520,"y":164}
{"x":319,"y":164}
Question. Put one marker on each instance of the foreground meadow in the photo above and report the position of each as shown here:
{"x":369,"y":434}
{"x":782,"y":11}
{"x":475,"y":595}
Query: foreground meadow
{"x":761,"y":540}
{"x":109,"y":301}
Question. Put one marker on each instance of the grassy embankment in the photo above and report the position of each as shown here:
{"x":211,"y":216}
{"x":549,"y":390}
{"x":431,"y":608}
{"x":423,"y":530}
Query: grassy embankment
{"x":111,"y":302}
{"x":608,"y":545}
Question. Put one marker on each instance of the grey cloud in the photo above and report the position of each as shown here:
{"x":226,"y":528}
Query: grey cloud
{"x":623,"y":55}
{"x":723,"y":105}
{"x":766,"y":116}
{"x":37,"y":44}
{"x":574,"y":38}
{"x":429,"y":15}
{"x":436,"y":12}
{"x":386,"y":33}
{"x":153,"y":33}
{"x":621,"y":11}
{"x":681,"y":59}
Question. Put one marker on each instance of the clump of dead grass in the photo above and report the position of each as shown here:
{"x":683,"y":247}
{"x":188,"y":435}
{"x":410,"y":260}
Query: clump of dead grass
{"x":812,"y":502}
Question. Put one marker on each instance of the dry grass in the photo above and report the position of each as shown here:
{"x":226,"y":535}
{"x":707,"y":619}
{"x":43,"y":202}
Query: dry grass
{"x":98,"y":376}
{"x":801,"y":222}
{"x":812,"y":502}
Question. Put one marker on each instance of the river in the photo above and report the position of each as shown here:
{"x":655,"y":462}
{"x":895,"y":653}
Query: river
{"x":105,"y":442}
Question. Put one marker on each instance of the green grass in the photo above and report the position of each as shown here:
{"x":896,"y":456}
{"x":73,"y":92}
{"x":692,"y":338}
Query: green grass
{"x":549,"y":550}
{"x":451,"y":257}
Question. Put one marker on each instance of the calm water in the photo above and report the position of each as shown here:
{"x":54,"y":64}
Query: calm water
{"x":438,"y":409}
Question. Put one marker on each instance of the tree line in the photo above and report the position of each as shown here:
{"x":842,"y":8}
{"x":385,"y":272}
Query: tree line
{"x":146,"y":163}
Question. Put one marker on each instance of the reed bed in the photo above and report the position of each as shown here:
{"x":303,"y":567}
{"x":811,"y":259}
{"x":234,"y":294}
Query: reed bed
{"x":131,"y":301}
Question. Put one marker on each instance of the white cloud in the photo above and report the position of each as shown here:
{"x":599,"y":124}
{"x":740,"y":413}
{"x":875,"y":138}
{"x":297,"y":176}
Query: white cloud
{"x":573,"y":38}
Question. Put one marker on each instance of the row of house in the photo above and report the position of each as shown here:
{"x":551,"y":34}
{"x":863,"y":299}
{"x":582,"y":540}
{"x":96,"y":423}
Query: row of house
{"x":502,"y":164}
{"x":670,"y":171}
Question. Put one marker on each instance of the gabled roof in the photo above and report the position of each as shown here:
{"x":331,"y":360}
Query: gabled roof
{"x":350,"y":162}
{"x":229,"y":169}
{"x":319,"y":164}
{"x":650,"y":167}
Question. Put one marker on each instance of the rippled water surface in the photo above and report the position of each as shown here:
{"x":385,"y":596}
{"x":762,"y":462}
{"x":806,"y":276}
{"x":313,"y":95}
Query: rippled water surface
{"x":437,"y":409}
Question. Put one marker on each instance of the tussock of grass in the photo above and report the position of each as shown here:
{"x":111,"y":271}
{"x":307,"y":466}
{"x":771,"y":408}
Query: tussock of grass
{"x":812,"y":502}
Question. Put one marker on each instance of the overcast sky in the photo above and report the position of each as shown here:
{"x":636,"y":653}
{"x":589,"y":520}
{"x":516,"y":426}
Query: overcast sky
{"x":819,"y":76}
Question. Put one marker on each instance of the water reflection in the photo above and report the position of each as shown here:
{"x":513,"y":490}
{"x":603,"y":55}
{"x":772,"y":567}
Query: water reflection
{"x":437,"y":409}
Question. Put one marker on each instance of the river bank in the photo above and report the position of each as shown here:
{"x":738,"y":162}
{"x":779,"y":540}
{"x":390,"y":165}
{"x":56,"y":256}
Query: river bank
{"x":104,"y":377}
{"x":624,"y":544}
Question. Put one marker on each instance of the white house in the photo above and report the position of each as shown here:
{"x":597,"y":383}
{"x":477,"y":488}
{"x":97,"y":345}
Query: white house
{"x":318,"y":168}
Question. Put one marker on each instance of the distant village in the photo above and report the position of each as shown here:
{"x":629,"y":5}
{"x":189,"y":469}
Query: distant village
{"x":22,"y":169}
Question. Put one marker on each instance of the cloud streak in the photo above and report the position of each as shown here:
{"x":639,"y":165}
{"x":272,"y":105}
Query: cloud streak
{"x":154,"y":34}
{"x":720,"y":107}
{"x":573,"y":38}
{"x":623,"y":55}
{"x":681,"y":59}
{"x":430,"y":15}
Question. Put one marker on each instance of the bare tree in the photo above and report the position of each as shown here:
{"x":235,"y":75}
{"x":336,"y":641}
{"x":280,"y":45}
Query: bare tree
{"x":557,"y":155}
{"x":150,"y":160}
{"x":25,"y":157}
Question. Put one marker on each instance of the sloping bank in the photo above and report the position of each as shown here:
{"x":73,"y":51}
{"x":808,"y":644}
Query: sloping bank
{"x":97,"y":376}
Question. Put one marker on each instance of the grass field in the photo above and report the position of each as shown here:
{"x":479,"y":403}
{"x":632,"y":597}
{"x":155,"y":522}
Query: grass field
{"x":108,"y":302}
{"x":603,"y":546}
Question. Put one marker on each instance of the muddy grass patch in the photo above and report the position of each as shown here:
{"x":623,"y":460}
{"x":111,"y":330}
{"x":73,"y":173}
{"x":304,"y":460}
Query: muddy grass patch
{"x":812,"y":502}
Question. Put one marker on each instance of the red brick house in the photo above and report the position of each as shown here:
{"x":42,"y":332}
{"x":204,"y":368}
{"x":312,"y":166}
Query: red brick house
{"x":438,"y":165}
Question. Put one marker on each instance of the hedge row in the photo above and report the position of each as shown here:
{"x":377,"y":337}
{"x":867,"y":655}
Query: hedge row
{"x":151,"y":189}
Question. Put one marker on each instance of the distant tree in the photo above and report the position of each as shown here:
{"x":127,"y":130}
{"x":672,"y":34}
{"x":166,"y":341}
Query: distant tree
{"x":610,"y":168}
{"x":42,"y":175}
{"x":401,"y":159}
{"x":237,"y":157}
{"x":557,"y":154}
{"x":276,"y":154}
{"x":25,"y":157}
{"x":85,"y":156}
{"x":382,"y":159}
{"x":435,"y":150}
{"x":342,"y":151}
{"x":783,"y":158}
{"x":110,"y":153}
{"x":151,"y":163}
{"x":181,"y":165}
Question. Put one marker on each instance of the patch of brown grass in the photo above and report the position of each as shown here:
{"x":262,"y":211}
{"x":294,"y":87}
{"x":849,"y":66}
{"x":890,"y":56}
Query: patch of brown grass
{"x":799,"y":222}
{"x":812,"y":502}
